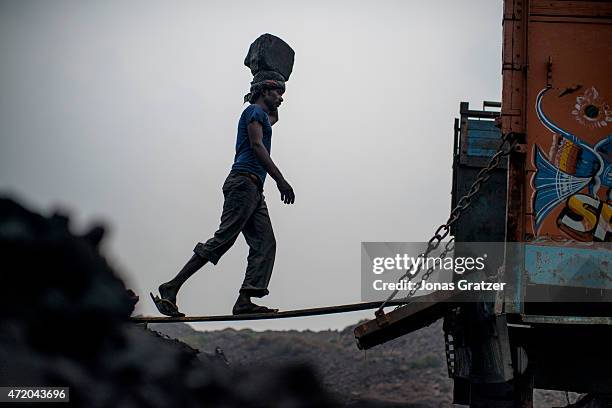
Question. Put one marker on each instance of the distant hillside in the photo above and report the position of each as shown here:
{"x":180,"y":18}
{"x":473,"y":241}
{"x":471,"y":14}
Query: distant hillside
{"x":409,"y":371}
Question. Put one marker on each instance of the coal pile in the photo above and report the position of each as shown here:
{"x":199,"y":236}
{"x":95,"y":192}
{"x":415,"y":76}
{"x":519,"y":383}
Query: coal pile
{"x":270,"y":57}
{"x":64,"y":321}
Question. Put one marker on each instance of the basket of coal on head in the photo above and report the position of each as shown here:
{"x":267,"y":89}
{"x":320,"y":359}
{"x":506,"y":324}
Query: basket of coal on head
{"x":270,"y":60}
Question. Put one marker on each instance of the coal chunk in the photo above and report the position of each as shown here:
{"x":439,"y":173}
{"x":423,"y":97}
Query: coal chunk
{"x":269,"y":54}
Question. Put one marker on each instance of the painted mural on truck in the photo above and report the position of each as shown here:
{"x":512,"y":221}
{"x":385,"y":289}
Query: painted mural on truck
{"x":572,"y":173}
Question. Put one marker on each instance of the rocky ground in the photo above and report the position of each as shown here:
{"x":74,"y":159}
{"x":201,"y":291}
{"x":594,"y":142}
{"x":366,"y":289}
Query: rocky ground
{"x":408,"y":371}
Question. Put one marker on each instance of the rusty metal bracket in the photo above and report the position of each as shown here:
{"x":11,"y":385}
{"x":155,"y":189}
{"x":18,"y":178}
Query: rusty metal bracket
{"x":519,"y":141}
{"x":549,"y":72}
{"x":570,"y":90}
{"x":381,"y":318}
{"x":520,"y":138}
{"x":520,"y":148}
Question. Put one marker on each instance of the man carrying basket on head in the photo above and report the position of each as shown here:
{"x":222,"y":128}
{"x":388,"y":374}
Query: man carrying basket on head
{"x":244,"y":208}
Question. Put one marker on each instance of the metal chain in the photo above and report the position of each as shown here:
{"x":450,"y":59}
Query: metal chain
{"x":447,"y":248}
{"x":450,"y":341}
{"x":450,"y":245}
{"x":444,"y":230}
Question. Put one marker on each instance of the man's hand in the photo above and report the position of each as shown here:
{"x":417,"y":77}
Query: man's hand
{"x":287,"y":194}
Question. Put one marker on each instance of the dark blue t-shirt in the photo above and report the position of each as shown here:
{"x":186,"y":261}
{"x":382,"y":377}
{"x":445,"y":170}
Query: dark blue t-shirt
{"x":245,"y":159}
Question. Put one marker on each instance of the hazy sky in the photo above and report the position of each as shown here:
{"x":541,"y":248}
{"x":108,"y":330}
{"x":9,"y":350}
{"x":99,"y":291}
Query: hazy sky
{"x":126,"y":111}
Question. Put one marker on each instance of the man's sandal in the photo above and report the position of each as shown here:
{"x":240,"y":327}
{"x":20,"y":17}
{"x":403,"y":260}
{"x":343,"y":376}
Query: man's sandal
{"x":253,"y":309}
{"x":166,"y":307}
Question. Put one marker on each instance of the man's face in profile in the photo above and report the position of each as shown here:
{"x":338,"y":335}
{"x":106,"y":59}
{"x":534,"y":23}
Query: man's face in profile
{"x":273,"y":98}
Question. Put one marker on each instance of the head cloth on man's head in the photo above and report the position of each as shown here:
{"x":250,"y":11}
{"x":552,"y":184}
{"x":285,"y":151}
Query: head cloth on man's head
{"x":265,"y":80}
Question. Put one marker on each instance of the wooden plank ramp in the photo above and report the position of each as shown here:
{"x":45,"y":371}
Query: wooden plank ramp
{"x":316,"y":311}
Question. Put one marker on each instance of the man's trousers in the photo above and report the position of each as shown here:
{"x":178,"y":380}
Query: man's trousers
{"x":244,"y":210}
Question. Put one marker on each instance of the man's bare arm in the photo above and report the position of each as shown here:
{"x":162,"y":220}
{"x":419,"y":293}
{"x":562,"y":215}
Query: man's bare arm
{"x":255,"y":132}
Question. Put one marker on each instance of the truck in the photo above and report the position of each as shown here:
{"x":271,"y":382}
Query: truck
{"x":549,"y":202}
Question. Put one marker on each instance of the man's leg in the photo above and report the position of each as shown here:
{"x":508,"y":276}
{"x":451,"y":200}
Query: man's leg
{"x":241,"y":199}
{"x":259,"y":236}
{"x":169,"y":289}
